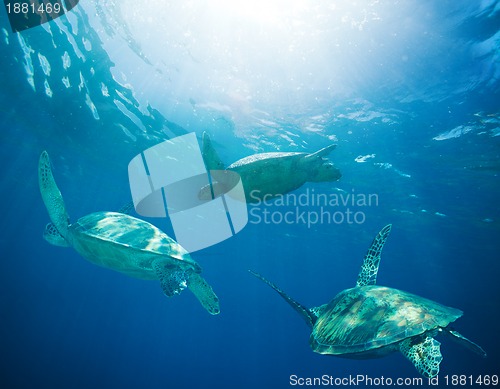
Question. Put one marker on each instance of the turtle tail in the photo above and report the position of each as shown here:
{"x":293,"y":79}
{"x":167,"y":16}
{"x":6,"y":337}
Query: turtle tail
{"x":307,"y":314}
{"x":51,"y":195}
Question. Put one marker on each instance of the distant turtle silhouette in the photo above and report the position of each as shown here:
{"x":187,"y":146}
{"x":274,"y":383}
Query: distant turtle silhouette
{"x":269,"y":175}
{"x":123,"y":243}
{"x":370,"y":321}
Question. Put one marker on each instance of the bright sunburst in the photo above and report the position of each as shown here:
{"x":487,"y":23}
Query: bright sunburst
{"x":261,"y":11}
{"x":244,"y":56}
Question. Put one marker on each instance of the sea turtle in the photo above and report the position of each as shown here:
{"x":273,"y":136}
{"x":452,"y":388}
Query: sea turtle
{"x":123,"y":243}
{"x":268,"y":175}
{"x":370,"y":321}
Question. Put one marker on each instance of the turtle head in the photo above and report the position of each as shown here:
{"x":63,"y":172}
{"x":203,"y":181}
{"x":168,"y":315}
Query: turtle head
{"x":326,"y":172}
{"x":320,"y":169}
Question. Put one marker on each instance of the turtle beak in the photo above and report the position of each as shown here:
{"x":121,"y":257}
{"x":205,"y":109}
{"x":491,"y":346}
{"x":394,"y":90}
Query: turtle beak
{"x":331,"y":172}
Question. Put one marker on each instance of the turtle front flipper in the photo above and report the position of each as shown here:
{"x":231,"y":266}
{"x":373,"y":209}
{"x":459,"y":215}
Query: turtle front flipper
{"x":204,"y":293}
{"x":369,"y":269}
{"x":172,"y":279}
{"x":51,"y":195}
{"x":210,"y":156}
{"x":425,"y":355}
{"x":321,"y":153}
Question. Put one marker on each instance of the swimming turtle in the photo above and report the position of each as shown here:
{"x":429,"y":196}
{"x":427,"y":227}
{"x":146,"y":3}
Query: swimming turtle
{"x":268,"y":175}
{"x":370,"y":321}
{"x":123,"y":243}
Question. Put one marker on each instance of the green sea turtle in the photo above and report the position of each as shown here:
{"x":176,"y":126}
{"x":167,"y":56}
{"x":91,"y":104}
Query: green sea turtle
{"x":123,"y":243}
{"x":268,"y":175}
{"x":370,"y":321}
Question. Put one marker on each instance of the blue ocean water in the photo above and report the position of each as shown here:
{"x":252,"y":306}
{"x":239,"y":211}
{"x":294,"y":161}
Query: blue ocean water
{"x":409,"y":91}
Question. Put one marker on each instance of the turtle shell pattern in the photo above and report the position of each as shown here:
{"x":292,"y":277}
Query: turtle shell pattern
{"x":266,"y":158}
{"x":127,"y":244}
{"x":270,"y":173}
{"x":366,"y":318}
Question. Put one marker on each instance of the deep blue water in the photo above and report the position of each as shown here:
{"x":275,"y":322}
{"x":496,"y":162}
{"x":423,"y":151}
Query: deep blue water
{"x":408,"y":91}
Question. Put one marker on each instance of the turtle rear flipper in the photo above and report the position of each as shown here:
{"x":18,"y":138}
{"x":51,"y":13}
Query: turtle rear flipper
{"x":52,"y":235}
{"x":425,"y":355}
{"x":204,"y":293}
{"x":467,"y":343}
{"x":309,"y":315}
{"x":172,"y":280}
{"x":51,"y":195}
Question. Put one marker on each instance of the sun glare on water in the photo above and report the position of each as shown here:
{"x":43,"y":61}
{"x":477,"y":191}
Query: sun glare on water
{"x":260,"y":11}
{"x":245,"y":55}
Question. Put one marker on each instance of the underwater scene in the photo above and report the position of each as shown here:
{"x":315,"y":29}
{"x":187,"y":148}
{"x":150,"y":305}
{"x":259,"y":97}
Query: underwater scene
{"x":250,"y":194}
